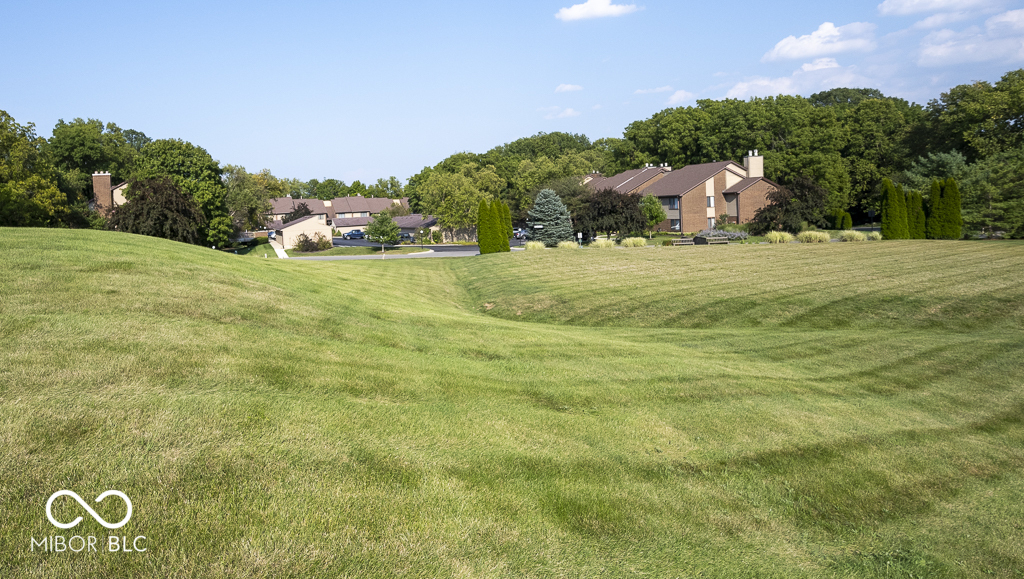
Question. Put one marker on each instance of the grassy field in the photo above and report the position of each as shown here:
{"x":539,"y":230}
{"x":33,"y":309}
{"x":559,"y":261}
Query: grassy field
{"x":834,"y":410}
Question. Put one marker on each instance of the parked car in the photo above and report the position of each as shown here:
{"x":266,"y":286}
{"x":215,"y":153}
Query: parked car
{"x":519,"y":233}
{"x":405,"y":238}
{"x":354,"y":234}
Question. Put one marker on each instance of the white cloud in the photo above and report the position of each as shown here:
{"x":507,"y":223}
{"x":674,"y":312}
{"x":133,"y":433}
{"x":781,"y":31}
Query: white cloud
{"x":652,"y":90}
{"x":820,"y":64}
{"x":560,"y":113}
{"x":596,"y":107}
{"x":904,"y":7}
{"x":1001,"y":39}
{"x":827,"y":39}
{"x":594,"y":9}
{"x":941,"y":19}
{"x":679,"y":97}
{"x":822,"y":74}
{"x":568,"y":87}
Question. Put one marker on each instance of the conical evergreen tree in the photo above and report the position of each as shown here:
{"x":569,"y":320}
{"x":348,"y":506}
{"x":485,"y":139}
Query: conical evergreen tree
{"x":507,"y":220}
{"x":934,"y":227}
{"x":550,"y":213}
{"x":483,"y":228}
{"x":847,"y":221}
{"x":954,"y":218}
{"x":894,"y":212}
{"x":915,"y":215}
{"x":498,"y":214}
{"x":901,"y":199}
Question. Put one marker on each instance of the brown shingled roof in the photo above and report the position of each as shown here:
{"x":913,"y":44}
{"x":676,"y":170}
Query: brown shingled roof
{"x":684,"y":179}
{"x":415,"y":221}
{"x":299,"y":220}
{"x":626,"y":181}
{"x":746,"y":183}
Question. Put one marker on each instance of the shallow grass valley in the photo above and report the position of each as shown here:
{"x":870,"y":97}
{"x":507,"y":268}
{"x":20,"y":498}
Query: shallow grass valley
{"x":796,"y":410}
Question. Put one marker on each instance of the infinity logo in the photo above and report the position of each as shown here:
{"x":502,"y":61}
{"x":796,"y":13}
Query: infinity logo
{"x":85,"y":506}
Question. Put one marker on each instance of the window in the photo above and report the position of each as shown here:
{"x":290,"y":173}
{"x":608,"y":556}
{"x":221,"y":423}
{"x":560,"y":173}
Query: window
{"x":711,"y":201}
{"x":672,"y":202}
{"x":711,"y":222}
{"x":674,"y":224}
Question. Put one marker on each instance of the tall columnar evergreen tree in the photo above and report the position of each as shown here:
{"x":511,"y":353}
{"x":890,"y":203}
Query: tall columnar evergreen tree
{"x":954,"y":218}
{"x":901,"y":200}
{"x":550,"y":213}
{"x":847,"y":220}
{"x":500,"y":237}
{"x":894,"y":212}
{"x":915,"y":215}
{"x":484,"y":233}
{"x":934,"y":227}
{"x":507,"y":220}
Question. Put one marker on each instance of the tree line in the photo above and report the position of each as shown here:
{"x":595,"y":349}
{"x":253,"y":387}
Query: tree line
{"x":188,"y":196}
{"x":831,"y":151}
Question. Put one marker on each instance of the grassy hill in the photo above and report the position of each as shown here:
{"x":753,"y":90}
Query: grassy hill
{"x":851,"y":410}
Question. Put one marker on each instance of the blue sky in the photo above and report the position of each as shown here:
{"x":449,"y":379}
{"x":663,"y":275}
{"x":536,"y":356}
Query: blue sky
{"x":360,"y":91}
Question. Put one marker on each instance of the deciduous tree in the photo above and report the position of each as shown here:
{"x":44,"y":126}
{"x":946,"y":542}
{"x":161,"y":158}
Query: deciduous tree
{"x":159,"y":208}
{"x":653,"y":212}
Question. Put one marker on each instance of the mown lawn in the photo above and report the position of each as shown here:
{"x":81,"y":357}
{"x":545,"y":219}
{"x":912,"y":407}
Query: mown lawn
{"x":849,"y":410}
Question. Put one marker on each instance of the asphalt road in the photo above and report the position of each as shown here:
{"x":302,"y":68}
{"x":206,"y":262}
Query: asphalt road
{"x":428,"y":251}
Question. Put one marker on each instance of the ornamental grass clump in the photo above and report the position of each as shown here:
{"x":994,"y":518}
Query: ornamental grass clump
{"x":813,"y":237}
{"x":602,"y":243}
{"x":634,"y":242}
{"x":874,"y":236}
{"x":567,"y":245}
{"x":852,"y":235}
{"x":532,"y":245}
{"x":778,"y":237}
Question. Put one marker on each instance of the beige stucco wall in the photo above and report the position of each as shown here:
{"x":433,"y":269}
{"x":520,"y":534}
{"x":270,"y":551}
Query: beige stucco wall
{"x":731,"y":179}
{"x":287,"y":236}
{"x":119,"y":195}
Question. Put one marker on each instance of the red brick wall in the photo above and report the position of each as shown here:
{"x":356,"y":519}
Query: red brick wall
{"x":752,"y":199}
{"x":102,"y":193}
{"x":693,"y":208}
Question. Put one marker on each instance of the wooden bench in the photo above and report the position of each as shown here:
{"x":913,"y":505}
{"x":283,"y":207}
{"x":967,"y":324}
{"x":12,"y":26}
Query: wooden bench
{"x":710,"y":240}
{"x":683,"y":241}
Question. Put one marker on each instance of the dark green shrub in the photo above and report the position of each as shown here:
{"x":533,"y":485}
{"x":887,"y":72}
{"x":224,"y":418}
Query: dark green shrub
{"x":847,"y":221}
{"x":436,"y":236}
{"x":304,"y":244}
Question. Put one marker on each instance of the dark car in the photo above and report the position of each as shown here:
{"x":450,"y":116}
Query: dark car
{"x":354,"y":234}
{"x":405,"y":238}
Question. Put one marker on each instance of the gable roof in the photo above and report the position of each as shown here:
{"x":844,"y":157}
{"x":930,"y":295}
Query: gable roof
{"x":360,"y":204}
{"x":297,"y":221}
{"x":355,"y":204}
{"x":627,"y":180}
{"x":351,"y":221}
{"x":746,"y":183}
{"x":415,"y":221}
{"x":683,"y":180}
{"x":285,"y":205}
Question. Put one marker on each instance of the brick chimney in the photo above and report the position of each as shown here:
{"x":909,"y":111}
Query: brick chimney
{"x":754,"y":164}
{"x":102,"y":193}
